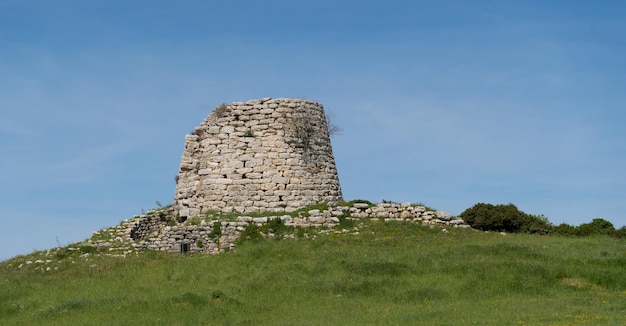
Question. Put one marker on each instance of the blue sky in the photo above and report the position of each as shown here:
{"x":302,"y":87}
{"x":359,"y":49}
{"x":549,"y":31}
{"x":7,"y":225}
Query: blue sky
{"x":449,"y":103}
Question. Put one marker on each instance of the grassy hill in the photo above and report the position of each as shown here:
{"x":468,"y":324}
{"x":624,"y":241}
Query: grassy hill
{"x":391,"y":273}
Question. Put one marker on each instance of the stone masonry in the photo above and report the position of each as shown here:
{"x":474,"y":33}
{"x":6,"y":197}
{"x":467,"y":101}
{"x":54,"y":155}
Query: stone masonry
{"x":154,"y":230}
{"x":261,"y":155}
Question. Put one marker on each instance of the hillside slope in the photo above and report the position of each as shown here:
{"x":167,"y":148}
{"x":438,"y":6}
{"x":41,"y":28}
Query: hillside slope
{"x":377,"y":273}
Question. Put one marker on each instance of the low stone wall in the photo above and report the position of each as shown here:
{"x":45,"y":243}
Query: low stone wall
{"x":158,"y":231}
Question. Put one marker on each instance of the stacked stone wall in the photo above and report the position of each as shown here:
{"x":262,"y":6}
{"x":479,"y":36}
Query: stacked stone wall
{"x":157,"y":230}
{"x":267,"y":155}
{"x":260,"y":155}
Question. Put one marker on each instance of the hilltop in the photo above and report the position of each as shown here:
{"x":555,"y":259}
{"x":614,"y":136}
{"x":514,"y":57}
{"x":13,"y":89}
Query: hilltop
{"x":374,"y":272}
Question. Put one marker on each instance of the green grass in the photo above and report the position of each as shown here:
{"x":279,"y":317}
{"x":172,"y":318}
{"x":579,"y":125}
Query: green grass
{"x":212,"y":215}
{"x":387,"y":274}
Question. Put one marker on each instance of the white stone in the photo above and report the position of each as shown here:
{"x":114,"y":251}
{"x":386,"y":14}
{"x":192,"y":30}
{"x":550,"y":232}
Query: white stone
{"x":316,"y":219}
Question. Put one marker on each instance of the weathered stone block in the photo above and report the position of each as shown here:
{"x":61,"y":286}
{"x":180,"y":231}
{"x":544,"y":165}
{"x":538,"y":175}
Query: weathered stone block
{"x":361,"y":206}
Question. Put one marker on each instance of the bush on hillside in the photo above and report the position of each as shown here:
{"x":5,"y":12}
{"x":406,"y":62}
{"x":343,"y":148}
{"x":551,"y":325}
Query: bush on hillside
{"x":619,"y":233}
{"x":564,"y":229}
{"x":597,"y":226}
{"x":507,"y":218}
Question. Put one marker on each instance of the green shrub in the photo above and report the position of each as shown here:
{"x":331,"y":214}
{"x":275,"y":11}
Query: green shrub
{"x":597,"y":226}
{"x":88,"y":249}
{"x":619,"y":233}
{"x":62,"y":253}
{"x":508,"y":218}
{"x":251,"y":232}
{"x":564,"y":229}
{"x":303,"y":232}
{"x":536,"y":224}
{"x":276,"y":226}
{"x":216,"y":232}
{"x":345,"y":222}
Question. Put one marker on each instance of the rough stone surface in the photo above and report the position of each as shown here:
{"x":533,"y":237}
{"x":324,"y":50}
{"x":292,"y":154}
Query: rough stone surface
{"x":158,"y":231}
{"x":261,"y":155}
{"x":267,"y":155}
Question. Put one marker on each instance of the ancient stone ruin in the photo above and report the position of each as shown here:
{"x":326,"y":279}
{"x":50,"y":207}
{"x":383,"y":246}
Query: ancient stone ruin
{"x":261,"y":155}
{"x":154,"y":230}
{"x":269,"y":156}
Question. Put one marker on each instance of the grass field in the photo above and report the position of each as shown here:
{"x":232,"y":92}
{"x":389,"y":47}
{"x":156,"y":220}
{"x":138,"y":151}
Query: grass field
{"x":387,"y":274}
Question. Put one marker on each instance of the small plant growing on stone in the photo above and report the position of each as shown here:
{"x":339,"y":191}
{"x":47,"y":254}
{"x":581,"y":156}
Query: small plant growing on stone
{"x":220,"y":110}
{"x":216,"y":232}
{"x":303,"y":130}
{"x":194,"y":221}
{"x":333,"y":128}
{"x":198,"y":132}
{"x":251,"y":232}
{"x":249,"y":133}
{"x":345,"y":222}
{"x":301,"y":232}
{"x":276,"y":226}
{"x":88,"y":249}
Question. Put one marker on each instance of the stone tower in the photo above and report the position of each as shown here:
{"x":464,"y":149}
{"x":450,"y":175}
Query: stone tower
{"x":261,"y":155}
